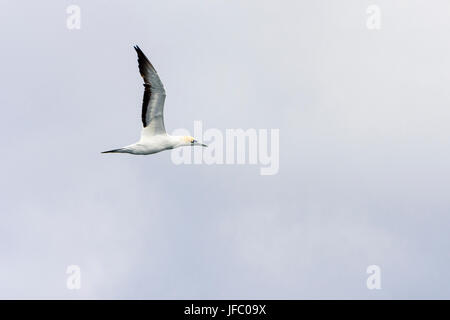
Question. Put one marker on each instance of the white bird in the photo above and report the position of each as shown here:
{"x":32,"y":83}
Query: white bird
{"x":153,"y":136}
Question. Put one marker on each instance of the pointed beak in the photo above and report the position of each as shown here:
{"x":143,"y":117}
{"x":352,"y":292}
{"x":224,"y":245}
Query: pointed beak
{"x":196,"y":143}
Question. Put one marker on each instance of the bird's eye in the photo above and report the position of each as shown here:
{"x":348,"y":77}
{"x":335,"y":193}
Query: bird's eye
{"x":193,"y":141}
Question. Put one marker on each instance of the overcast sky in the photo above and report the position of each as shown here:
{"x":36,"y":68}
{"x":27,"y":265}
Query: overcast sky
{"x":364,"y":150}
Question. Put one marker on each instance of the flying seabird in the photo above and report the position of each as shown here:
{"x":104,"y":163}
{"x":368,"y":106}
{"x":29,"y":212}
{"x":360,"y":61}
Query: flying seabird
{"x":153,"y":135}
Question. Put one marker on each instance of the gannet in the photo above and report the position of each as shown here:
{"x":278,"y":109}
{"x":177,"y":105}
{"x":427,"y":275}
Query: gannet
{"x":153,"y":135}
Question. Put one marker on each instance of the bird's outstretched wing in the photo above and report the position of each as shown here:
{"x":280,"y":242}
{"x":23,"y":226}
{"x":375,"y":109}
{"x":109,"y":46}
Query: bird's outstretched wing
{"x":154,"y":96}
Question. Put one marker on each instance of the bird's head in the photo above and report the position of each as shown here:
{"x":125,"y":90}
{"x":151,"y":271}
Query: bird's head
{"x":190,"y":141}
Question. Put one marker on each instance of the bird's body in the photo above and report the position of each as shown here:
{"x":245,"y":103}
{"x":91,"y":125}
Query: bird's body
{"x":152,"y":145}
{"x":153,"y":136}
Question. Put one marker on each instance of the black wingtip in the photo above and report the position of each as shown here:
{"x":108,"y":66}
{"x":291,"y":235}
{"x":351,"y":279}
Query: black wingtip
{"x":139,"y":52}
{"x":142,"y":58}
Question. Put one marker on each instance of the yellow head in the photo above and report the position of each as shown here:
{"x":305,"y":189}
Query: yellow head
{"x":190,"y":141}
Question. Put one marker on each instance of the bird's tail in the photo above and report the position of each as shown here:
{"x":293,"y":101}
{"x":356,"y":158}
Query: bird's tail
{"x":121,"y":150}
